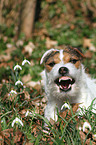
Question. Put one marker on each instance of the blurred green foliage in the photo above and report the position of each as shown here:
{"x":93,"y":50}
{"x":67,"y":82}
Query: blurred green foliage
{"x":64,"y":34}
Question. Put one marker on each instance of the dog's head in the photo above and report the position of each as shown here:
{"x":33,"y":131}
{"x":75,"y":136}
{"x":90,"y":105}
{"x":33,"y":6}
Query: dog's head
{"x":63,"y":70}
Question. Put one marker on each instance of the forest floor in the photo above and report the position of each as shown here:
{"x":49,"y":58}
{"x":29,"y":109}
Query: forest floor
{"x":22,"y":104}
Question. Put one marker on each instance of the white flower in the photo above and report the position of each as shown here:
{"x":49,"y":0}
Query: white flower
{"x":79,"y":128}
{"x":17,"y":121}
{"x":94,"y":136}
{"x":1,"y":121}
{"x":86,"y":125}
{"x":12,"y":92}
{"x":18,"y":82}
{"x":17,"y":67}
{"x":19,"y":43}
{"x":9,"y":45}
{"x":65,"y":106}
{"x":27,"y":113}
{"x":25,"y":61}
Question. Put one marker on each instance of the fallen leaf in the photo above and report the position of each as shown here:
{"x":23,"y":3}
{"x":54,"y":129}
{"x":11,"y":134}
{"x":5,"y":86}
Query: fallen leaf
{"x":74,"y":108}
{"x":26,"y":78}
{"x":5,"y":57}
{"x":29,"y":48}
{"x":1,"y":140}
{"x":72,"y":27}
{"x":88,"y":54}
{"x":51,"y":1}
{"x":27,"y":95}
{"x":52,"y":121}
{"x":17,"y":137}
{"x":50,"y":43}
{"x":29,"y":143}
{"x":88,"y":43}
{"x":35,"y":85}
{"x":19,"y":43}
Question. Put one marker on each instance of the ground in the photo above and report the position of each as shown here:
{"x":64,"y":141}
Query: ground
{"x":57,"y":25}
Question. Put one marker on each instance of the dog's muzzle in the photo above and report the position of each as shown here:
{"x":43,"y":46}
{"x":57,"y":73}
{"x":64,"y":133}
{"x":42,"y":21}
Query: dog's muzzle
{"x":63,"y":71}
{"x":64,"y":82}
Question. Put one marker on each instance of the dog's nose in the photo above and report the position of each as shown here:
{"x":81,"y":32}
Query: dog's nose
{"x":63,"y":70}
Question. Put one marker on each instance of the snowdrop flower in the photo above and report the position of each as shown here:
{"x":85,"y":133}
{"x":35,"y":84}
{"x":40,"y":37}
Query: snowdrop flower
{"x":17,"y":121}
{"x":25,"y":61}
{"x":18,"y":82}
{"x":1,"y":121}
{"x":86,"y":125}
{"x":12,"y":92}
{"x":79,"y":128}
{"x":94,"y":136}
{"x":9,"y":45}
{"x":17,"y":67}
{"x":27,"y":113}
{"x":65,"y":106}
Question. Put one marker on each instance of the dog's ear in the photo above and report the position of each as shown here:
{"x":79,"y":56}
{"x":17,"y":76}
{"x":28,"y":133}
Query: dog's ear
{"x":79,"y":51}
{"x":46,"y":55}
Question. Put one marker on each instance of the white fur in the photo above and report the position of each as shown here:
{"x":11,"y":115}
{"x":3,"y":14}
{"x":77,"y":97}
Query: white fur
{"x":83,"y":90}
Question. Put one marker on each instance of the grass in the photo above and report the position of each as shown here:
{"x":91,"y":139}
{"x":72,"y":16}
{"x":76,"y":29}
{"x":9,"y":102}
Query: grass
{"x":27,"y":100}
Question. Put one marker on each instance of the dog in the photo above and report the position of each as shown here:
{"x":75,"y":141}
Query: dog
{"x":65,"y":80}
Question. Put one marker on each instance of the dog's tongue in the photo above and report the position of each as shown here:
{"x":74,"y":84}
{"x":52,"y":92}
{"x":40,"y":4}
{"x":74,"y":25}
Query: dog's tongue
{"x":65,"y":84}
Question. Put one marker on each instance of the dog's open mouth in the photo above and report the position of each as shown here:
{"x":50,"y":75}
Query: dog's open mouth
{"x":65,"y":83}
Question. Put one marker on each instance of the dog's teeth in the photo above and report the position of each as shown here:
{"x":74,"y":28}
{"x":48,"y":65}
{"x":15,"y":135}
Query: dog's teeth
{"x":60,"y":86}
{"x":64,"y":78}
{"x":69,"y":86}
{"x":71,"y":79}
{"x":60,"y":79}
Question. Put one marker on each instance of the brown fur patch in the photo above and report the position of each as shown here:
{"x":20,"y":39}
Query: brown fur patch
{"x":75,"y":51}
{"x":70,"y":54}
{"x":78,"y":64}
{"x":53,"y":59}
{"x":66,"y":57}
{"x":69,"y":57}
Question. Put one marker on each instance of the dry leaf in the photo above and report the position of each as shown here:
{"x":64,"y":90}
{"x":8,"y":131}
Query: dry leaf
{"x":88,"y":54}
{"x":17,"y":137}
{"x":52,"y":121}
{"x":51,"y":1}
{"x":88,"y":43}
{"x":19,"y":43}
{"x":74,"y":108}
{"x":29,"y":48}
{"x":23,"y":112}
{"x":35,"y":85}
{"x":7,"y":56}
{"x":29,"y":143}
{"x":50,"y":43}
{"x":26,"y":78}
{"x":27,"y":95}
{"x":1,"y":140}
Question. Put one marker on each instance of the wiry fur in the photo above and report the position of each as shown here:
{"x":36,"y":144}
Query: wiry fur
{"x":83,"y":91}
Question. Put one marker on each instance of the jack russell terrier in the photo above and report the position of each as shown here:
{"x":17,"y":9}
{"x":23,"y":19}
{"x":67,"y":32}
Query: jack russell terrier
{"x":65,"y":80}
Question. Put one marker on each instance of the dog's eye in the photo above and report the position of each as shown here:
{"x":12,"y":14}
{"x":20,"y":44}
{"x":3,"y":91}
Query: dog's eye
{"x":51,"y":64}
{"x":73,"y":61}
